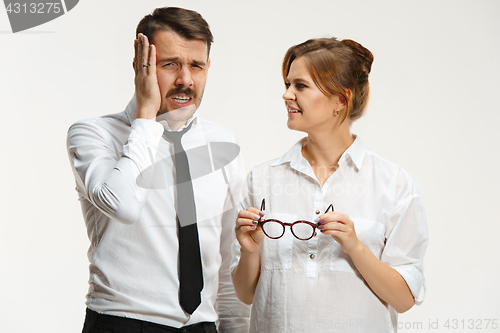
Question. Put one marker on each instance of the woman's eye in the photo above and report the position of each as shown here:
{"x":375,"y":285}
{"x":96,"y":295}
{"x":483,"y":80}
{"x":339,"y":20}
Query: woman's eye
{"x":300,"y":86}
{"x":287,"y":85}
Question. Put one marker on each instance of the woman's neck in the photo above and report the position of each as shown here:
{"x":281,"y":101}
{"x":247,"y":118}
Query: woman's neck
{"x":323,"y":150}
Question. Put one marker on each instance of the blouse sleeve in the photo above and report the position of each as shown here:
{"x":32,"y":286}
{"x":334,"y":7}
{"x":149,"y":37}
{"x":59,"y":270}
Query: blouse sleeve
{"x":407,"y":237}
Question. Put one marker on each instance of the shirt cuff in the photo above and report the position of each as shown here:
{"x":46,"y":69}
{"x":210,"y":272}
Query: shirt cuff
{"x":148,"y":130}
{"x":415,"y":281}
{"x":235,"y":256}
{"x":143,"y":142}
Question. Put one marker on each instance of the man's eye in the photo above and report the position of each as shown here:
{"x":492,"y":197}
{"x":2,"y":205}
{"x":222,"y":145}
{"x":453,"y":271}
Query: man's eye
{"x":170,"y":64}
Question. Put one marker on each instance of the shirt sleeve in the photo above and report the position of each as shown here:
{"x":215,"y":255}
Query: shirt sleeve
{"x":234,"y":315}
{"x":407,"y":240}
{"x":112,"y":181}
{"x":246,"y":202}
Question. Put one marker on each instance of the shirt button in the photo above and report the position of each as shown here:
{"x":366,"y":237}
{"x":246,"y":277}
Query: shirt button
{"x":312,"y":256}
{"x":317,"y":211}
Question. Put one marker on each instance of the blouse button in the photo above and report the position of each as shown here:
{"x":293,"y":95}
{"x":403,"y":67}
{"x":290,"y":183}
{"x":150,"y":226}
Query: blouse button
{"x":317,"y":211}
{"x":312,"y":256}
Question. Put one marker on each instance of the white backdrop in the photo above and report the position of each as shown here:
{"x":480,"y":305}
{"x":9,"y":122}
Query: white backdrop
{"x":433,"y":110}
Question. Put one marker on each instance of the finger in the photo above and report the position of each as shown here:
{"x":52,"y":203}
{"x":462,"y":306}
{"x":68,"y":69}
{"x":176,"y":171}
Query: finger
{"x":145,"y":52}
{"x":139,"y":51}
{"x":333,"y":226}
{"x":333,"y":217}
{"x":246,"y":228}
{"x":136,"y":58}
{"x":337,"y":235}
{"x":324,"y":218}
{"x":255,"y":211}
{"x":152,"y":59}
{"x":250,"y":213}
{"x":245,"y":221}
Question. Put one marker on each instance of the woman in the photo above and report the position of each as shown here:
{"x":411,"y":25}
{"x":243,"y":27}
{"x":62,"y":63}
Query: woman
{"x":348,"y":268}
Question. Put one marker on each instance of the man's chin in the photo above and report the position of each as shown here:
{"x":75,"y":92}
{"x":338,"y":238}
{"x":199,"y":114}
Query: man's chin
{"x":177,"y":114}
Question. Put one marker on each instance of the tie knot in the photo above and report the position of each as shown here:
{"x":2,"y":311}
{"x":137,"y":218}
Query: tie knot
{"x":175,"y":137}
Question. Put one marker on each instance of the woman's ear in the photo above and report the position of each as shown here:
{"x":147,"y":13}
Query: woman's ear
{"x":342,"y":100}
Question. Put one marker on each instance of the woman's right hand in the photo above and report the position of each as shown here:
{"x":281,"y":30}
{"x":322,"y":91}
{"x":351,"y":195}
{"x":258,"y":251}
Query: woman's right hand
{"x":248,"y":233}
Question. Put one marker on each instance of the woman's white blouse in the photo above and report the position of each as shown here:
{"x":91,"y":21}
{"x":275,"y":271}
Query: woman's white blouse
{"x":313,"y":286}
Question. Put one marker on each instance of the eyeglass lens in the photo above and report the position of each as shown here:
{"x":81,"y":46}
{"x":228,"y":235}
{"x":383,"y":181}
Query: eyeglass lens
{"x":273,"y":229}
{"x":302,"y":230}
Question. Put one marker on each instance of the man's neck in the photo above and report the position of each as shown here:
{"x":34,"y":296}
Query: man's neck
{"x":175,"y":125}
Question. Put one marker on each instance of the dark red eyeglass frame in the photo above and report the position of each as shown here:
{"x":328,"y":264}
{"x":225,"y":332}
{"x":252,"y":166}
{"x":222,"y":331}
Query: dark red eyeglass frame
{"x":260,"y":223}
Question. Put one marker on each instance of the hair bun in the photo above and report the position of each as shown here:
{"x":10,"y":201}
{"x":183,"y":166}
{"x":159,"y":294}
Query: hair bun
{"x":362,"y":54}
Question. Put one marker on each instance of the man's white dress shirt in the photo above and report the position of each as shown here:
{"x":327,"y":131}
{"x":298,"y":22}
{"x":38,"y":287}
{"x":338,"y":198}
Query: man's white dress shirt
{"x":313,"y":286}
{"x":125,"y":181}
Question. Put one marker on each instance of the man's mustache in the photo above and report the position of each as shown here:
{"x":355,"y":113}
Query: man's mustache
{"x":182,"y":90}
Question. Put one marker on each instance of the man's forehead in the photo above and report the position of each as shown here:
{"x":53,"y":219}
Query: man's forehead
{"x":169,"y":44}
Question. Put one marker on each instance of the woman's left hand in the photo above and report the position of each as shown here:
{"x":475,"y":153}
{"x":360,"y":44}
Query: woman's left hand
{"x":341,"y":228}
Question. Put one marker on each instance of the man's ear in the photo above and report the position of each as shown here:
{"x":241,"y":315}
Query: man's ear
{"x":133,"y":64}
{"x":208,"y":63}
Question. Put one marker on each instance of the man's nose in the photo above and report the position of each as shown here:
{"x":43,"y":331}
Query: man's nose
{"x":184,"y":78}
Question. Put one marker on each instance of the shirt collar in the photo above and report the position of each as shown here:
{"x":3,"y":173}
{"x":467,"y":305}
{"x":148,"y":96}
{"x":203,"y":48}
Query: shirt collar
{"x":130,"y":112}
{"x":292,"y":156}
{"x":356,"y":153}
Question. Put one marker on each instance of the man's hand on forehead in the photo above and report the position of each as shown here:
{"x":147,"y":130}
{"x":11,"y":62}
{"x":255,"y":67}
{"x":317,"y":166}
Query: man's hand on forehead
{"x":147,"y":91}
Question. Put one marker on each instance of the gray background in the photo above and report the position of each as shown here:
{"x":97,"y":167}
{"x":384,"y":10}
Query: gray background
{"x":434,"y":111}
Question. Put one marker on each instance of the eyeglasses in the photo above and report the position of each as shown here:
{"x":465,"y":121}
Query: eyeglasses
{"x":274,"y":229}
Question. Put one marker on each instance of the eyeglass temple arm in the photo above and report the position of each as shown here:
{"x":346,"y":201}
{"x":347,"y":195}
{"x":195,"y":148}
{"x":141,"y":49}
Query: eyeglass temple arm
{"x":326,"y":211}
{"x":262,"y":207}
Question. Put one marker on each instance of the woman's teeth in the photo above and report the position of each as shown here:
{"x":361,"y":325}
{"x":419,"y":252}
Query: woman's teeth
{"x":293,"y":111}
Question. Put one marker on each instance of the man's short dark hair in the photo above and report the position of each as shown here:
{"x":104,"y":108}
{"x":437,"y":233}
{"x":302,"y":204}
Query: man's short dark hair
{"x":186,"y":23}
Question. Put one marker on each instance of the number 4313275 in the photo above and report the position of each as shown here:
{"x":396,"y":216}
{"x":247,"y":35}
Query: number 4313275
{"x":34,"y":8}
{"x":472,"y":324}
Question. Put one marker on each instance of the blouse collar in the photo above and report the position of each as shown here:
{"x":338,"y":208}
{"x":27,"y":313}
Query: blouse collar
{"x":355,"y":152}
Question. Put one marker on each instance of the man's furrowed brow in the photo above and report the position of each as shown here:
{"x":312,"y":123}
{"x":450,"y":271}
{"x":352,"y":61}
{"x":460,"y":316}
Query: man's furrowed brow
{"x":171,"y":59}
{"x":199,"y":63}
{"x":175,"y":59}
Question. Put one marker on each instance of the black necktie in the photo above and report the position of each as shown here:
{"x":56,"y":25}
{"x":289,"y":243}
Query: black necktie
{"x":190,"y":273}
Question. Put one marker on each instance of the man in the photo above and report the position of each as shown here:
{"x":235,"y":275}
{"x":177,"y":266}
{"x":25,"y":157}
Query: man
{"x":159,"y":210}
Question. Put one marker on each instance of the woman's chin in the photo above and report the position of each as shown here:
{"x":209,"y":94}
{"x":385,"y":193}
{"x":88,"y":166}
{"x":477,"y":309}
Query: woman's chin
{"x":290,"y":124}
